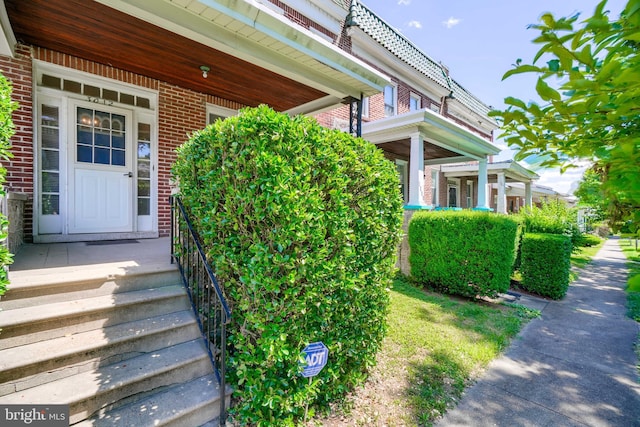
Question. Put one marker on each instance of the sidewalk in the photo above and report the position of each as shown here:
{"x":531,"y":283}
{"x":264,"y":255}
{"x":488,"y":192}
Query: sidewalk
{"x":573,"y":366}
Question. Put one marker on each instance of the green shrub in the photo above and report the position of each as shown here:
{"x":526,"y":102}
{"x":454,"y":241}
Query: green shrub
{"x":553,"y":217}
{"x":546,"y":260}
{"x":302,"y":225}
{"x":587,"y":240}
{"x":7,"y":106}
{"x":464,"y":253}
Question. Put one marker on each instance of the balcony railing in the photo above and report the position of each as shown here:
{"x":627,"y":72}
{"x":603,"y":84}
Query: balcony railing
{"x":207,"y":299}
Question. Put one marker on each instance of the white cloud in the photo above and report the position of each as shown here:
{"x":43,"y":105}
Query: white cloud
{"x":449,"y":23}
{"x":404,"y":2}
{"x":415,"y":24}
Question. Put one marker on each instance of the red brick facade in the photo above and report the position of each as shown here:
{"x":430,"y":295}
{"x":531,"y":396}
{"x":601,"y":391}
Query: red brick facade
{"x":20,"y":168}
{"x":180,"y":113}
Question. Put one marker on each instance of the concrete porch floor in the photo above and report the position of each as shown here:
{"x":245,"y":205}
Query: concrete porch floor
{"x":64,"y":262}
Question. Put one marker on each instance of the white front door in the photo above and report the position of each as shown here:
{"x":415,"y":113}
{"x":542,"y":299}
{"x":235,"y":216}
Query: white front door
{"x":100,"y":169}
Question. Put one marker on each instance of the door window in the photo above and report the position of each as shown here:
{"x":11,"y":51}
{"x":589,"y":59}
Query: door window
{"x":100,"y":137}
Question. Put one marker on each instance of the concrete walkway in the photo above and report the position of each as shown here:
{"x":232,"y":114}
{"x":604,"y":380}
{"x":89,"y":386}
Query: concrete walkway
{"x":573,"y":366}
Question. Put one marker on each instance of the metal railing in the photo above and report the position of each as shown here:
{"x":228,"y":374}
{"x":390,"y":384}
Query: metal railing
{"x":207,"y":300}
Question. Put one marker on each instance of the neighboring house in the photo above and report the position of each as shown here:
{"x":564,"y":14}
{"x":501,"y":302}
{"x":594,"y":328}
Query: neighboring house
{"x":422,"y":119}
{"x":109,"y":88}
{"x":502,"y":176}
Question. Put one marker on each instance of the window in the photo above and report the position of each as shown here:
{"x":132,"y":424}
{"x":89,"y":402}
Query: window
{"x":469,"y":194}
{"x":434,"y":187}
{"x":415,"y":102}
{"x":365,"y":107}
{"x":452,"y":196}
{"x":390,"y":100}
{"x":100,"y":137}
{"x":50,"y":160}
{"x":402,"y":166}
{"x":215,"y":112}
{"x":144,"y":169}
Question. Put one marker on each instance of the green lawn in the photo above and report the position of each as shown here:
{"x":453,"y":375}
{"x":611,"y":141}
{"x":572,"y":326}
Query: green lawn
{"x":583,"y":255}
{"x":435,"y":346}
{"x":633,"y":286}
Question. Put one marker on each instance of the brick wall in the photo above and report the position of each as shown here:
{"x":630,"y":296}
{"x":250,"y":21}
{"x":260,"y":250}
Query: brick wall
{"x":181,"y":112}
{"x":20,"y":168}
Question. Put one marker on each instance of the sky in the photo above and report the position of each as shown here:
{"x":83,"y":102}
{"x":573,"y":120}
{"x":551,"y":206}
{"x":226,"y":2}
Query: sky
{"x":479,"y":40}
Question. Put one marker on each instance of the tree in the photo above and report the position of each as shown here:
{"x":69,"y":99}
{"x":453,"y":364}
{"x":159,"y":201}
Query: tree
{"x":590,"y":193}
{"x":590,"y":86}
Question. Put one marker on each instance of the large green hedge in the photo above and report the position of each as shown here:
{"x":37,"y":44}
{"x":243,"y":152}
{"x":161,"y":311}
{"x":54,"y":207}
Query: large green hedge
{"x":302,"y":225}
{"x":7,"y":106}
{"x":545,"y":265}
{"x":464,"y":253}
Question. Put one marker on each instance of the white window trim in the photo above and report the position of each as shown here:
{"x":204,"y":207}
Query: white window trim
{"x":219,"y":111}
{"x":418,"y":98}
{"x":453,"y":183}
{"x":395,"y":99}
{"x":365,"y":107}
{"x":404,"y":177}
{"x":470,"y":196}
{"x":435,"y":187}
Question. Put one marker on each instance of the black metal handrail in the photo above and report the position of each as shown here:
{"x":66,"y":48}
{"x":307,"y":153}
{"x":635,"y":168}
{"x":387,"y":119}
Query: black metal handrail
{"x":207,"y":300}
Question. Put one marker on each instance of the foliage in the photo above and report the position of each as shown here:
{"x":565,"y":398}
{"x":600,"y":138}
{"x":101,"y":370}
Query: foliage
{"x":553,"y":217}
{"x":7,"y":106}
{"x":301,"y":224}
{"x":590,"y":194}
{"x":545,"y":264}
{"x":588,"y":240}
{"x":464,"y":253}
{"x":436,"y":346}
{"x":589,"y":86}
{"x":633,"y":284}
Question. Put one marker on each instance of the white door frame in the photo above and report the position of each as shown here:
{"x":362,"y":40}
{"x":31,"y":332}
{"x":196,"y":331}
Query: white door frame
{"x":121,"y":176}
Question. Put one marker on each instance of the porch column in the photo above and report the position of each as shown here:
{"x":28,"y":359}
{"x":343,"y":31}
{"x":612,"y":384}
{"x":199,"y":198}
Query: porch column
{"x":528,"y":194}
{"x":416,"y":172}
{"x":502,"y":194}
{"x":482,"y":185}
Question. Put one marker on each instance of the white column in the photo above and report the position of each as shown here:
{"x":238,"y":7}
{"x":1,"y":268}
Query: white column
{"x":502,"y":194}
{"x":416,"y":171}
{"x":482,"y":185}
{"x":528,"y":194}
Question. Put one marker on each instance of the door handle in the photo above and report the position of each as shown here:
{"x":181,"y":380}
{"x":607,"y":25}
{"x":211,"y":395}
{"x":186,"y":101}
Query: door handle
{"x":129,"y":174}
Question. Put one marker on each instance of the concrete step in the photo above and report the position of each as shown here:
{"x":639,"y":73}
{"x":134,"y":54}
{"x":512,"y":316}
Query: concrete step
{"x":121,"y":383}
{"x":194,"y":403}
{"x":44,"y":361}
{"x":31,"y":290}
{"x":27,"y":325}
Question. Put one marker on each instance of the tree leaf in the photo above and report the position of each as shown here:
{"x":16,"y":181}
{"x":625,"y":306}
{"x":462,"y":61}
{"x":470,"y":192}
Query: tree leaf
{"x":546,"y":92}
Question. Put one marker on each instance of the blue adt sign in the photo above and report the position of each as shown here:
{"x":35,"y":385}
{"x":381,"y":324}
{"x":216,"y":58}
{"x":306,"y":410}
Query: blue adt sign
{"x":316,"y":355}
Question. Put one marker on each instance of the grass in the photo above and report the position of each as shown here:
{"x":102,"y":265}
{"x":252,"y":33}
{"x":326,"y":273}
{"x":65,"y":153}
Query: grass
{"x":581,"y":257}
{"x":633,"y":285}
{"x":435,"y":346}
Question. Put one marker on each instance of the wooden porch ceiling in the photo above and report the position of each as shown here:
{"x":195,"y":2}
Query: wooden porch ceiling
{"x":402,"y":149}
{"x":90,"y":30}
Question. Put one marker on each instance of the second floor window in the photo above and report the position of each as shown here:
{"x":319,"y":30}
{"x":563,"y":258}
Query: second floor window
{"x":414,"y":102}
{"x":390,"y":101}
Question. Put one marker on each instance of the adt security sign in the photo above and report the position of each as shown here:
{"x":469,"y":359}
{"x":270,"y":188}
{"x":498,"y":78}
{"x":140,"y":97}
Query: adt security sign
{"x":316,"y":355}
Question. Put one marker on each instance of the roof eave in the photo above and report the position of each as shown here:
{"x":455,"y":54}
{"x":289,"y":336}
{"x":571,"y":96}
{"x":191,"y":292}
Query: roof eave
{"x":322,"y":65}
{"x":434,"y":128}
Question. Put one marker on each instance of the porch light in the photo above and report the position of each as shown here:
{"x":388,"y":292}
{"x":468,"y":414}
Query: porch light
{"x":205,"y":71}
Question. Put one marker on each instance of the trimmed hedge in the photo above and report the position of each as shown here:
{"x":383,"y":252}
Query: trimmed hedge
{"x":302,"y":225}
{"x":546,"y":261}
{"x":464,"y":253}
